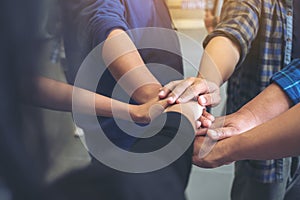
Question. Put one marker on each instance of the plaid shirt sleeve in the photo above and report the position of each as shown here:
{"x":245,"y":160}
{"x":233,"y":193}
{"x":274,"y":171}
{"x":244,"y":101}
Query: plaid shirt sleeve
{"x":240,"y":23}
{"x":289,"y":80}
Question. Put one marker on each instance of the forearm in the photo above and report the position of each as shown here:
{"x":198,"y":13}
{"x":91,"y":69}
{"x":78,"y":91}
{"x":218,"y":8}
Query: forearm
{"x":276,"y":138}
{"x":269,"y":103}
{"x":52,"y":94}
{"x":126,"y":65}
{"x":219,"y":59}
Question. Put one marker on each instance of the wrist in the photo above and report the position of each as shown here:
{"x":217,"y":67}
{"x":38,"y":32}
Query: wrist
{"x":247,"y":118}
{"x":230,"y":150}
{"x":139,"y":114}
{"x":133,"y":112}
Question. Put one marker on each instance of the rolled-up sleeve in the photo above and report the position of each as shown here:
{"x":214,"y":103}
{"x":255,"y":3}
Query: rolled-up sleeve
{"x":289,"y":80}
{"x":95,"y":18}
{"x":240,"y":23}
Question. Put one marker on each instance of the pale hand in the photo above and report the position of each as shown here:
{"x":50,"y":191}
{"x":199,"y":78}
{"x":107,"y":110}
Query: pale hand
{"x":205,"y":92}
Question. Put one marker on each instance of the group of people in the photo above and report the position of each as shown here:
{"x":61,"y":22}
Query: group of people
{"x":254,"y":47}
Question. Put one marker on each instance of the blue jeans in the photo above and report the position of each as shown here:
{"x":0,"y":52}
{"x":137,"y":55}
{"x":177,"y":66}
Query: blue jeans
{"x":246,"y":187}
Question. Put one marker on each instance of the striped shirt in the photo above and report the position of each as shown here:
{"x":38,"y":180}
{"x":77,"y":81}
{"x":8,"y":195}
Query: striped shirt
{"x":263,"y":29}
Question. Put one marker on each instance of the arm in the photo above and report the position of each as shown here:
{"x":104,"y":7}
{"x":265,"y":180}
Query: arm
{"x":217,"y":64}
{"x":269,"y":103}
{"x":277,"y":98}
{"x":274,"y":139}
{"x":57,"y":95}
{"x":124,"y":62}
{"x":99,"y":20}
{"x":225,"y":48}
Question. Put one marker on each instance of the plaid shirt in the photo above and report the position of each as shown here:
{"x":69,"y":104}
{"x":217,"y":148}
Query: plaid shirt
{"x":289,"y":80}
{"x":263,"y":31}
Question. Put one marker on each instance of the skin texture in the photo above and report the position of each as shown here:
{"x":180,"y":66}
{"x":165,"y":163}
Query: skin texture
{"x":127,"y":62}
{"x":270,"y":140}
{"x":270,"y":130}
{"x":217,"y":65}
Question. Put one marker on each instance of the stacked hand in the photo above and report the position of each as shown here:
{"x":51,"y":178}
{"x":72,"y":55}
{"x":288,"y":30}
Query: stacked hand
{"x":205,"y":92}
{"x":211,"y":148}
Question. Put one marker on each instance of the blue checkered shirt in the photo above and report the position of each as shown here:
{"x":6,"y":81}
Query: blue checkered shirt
{"x":289,"y":80}
{"x":263,"y":31}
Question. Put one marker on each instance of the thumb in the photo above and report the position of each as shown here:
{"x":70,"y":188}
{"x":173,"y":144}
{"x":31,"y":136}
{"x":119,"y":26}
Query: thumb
{"x":222,"y":133}
{"x":155,"y":110}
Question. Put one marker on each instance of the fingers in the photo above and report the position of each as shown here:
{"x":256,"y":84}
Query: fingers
{"x":201,"y":131}
{"x":222,"y":133}
{"x":198,"y":124}
{"x":206,"y":119}
{"x":163,"y":102}
{"x":208,"y":116}
{"x":188,"y":89}
{"x":206,"y":123}
{"x":183,"y":91}
{"x":203,"y":146}
{"x":199,"y":86}
{"x":181,"y":88}
{"x":212,"y":97}
{"x":192,"y":92}
{"x":165,"y":91}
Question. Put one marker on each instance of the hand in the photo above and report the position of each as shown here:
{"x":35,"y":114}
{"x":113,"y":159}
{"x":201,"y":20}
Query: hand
{"x":209,"y":153}
{"x":230,"y":125}
{"x":207,"y":93}
{"x":205,"y":120}
{"x":144,"y":113}
{"x":192,"y":110}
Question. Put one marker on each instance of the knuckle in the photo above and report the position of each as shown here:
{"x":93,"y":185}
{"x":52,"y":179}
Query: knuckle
{"x":190,"y":80}
{"x":171,"y":84}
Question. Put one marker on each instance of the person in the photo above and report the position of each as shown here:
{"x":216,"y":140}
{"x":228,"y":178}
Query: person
{"x":284,"y":94}
{"x":97,"y":21}
{"x":253,"y":40}
{"x":269,"y":139}
{"x":21,"y":173}
{"x":91,"y":23}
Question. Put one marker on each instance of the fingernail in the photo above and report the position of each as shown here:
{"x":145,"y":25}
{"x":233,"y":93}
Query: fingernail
{"x":179,"y":100}
{"x":171,"y":99}
{"x":161,"y":93}
{"x":198,"y":124}
{"x":213,"y":134}
{"x":208,"y":122}
{"x":202,"y":99}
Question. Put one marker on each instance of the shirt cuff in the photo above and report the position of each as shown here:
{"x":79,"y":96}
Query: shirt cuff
{"x":289,"y":80}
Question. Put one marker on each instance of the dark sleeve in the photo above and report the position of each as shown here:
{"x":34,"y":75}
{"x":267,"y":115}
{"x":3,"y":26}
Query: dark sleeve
{"x":240,"y":23}
{"x":98,"y":180}
{"x":94,"y":18}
